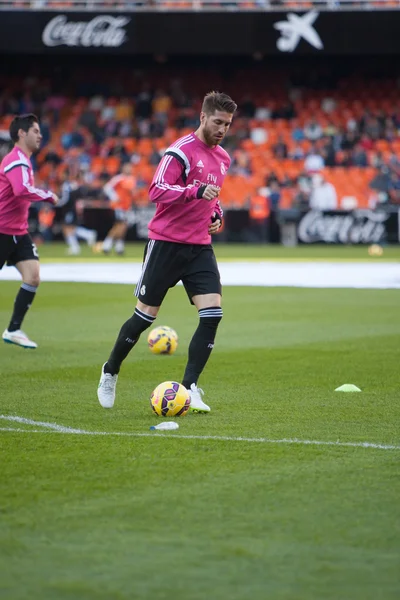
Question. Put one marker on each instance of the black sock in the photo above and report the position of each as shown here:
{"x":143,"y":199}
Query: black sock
{"x":127,"y":338}
{"x":22,"y":302}
{"x":202,"y":344}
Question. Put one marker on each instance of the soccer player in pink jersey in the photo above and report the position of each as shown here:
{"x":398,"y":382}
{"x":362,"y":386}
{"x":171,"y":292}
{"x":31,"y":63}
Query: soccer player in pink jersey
{"x":17,"y":191}
{"x":185,"y":189}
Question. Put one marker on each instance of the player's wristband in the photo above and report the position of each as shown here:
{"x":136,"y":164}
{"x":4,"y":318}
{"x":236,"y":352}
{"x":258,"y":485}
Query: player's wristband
{"x":200,"y":191}
{"x":216,"y":217}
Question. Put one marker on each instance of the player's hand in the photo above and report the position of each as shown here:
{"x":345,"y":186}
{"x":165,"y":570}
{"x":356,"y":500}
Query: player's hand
{"x":216,"y":224}
{"x":55,"y":199}
{"x":211,"y":192}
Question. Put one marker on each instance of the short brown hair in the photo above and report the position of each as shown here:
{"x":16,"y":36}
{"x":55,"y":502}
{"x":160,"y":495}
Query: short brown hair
{"x":23,"y":122}
{"x":217,"y":101}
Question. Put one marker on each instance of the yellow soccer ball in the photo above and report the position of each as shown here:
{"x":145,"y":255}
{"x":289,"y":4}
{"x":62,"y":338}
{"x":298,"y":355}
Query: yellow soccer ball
{"x":375,"y":250}
{"x":170,"y":399}
{"x":162,"y":340}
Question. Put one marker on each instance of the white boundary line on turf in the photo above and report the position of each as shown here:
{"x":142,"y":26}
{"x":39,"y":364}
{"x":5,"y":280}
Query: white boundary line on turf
{"x":54,"y":428}
{"x":302,"y":273}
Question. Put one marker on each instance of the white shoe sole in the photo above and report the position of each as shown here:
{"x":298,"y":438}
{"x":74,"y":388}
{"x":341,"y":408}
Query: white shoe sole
{"x":20,"y":345}
{"x":202,"y":411}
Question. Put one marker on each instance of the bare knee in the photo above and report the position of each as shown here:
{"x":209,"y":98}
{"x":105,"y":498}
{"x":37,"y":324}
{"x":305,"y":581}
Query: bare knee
{"x":148,"y":310}
{"x":30,"y":272}
{"x":32,"y":279}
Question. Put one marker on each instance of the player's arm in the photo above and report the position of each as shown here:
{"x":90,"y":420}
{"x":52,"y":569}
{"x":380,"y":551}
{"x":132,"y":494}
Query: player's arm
{"x":109,"y":189}
{"x":18,"y":176}
{"x":175,"y":167}
{"x":165,"y":187}
{"x":218,"y":211}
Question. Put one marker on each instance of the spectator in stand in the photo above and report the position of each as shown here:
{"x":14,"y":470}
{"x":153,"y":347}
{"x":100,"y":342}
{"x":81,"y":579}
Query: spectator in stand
{"x":330,"y":130}
{"x":155,"y":156}
{"x":373,"y":128}
{"x":301,"y":199}
{"x":314,"y":161}
{"x":359,"y":156}
{"x":366,"y":143}
{"x":54,"y":106}
{"x":328,"y":152}
{"x":296,"y":153}
{"x":259,"y":135}
{"x":313,"y":131}
{"x":377,"y":160}
{"x":349,"y":140}
{"x":382,"y":182}
{"x":120,"y":151}
{"x":161,"y":105}
{"x":328,"y":105}
{"x":297,"y":132}
{"x":52,"y":157}
{"x":280,"y":149}
{"x":120,"y":190}
{"x":323,"y":194}
{"x":108,"y":111}
{"x":390,"y":132}
{"x":144,"y":103}
{"x":241,"y":164}
{"x":124,"y":110}
{"x":88,"y":119}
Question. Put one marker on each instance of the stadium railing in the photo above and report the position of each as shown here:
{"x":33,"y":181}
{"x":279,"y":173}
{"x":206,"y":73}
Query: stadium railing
{"x":196,"y":5}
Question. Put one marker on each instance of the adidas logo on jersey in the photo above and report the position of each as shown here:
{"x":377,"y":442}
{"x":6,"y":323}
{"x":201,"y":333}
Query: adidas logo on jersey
{"x":200,"y":164}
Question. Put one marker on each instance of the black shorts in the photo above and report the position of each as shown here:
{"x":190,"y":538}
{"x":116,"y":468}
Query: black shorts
{"x":66,"y":215}
{"x":166,"y":263}
{"x":16,"y":248}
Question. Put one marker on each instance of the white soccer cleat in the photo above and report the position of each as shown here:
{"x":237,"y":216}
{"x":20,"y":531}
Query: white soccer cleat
{"x":92,"y":238}
{"x":74,"y":250}
{"x":196,"y":403}
{"x":106,"y":389}
{"x":19,"y":338}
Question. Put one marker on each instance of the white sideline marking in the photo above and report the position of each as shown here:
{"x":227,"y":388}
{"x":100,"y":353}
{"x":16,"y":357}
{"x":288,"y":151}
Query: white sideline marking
{"x":54,"y":428}
{"x":308,"y":274}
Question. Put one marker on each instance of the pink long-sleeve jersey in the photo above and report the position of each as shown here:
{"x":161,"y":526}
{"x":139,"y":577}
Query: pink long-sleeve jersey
{"x":17,"y":191}
{"x":187,"y":165}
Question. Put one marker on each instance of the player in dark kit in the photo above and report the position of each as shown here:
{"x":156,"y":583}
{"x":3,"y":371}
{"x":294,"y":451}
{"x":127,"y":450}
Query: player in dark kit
{"x":185,"y":188}
{"x":17,"y":191}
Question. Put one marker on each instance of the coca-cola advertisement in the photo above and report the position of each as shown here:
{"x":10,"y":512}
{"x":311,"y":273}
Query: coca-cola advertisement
{"x":104,"y":31}
{"x":150,"y":31}
{"x":355,"y":227}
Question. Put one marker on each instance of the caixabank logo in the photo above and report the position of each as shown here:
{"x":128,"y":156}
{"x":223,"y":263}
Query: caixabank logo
{"x":102,"y":31}
{"x":298,"y":27}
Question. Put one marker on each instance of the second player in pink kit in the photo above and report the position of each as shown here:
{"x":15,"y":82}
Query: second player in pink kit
{"x":185,"y":189}
{"x":17,"y":192}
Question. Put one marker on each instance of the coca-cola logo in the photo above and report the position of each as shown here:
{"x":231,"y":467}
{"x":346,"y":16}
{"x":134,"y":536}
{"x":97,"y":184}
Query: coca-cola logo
{"x":101,"y":31}
{"x":357,"y":227}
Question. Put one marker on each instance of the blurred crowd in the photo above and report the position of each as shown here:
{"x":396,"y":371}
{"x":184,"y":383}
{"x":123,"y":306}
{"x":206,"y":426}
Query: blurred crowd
{"x":297,"y":142}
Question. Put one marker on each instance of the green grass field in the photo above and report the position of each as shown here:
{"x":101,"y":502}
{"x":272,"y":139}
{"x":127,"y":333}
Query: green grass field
{"x":155,"y":516}
{"x":234,"y":252}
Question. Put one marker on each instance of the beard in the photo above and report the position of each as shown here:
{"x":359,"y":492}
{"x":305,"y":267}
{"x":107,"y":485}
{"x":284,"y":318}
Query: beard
{"x":209,"y":137}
